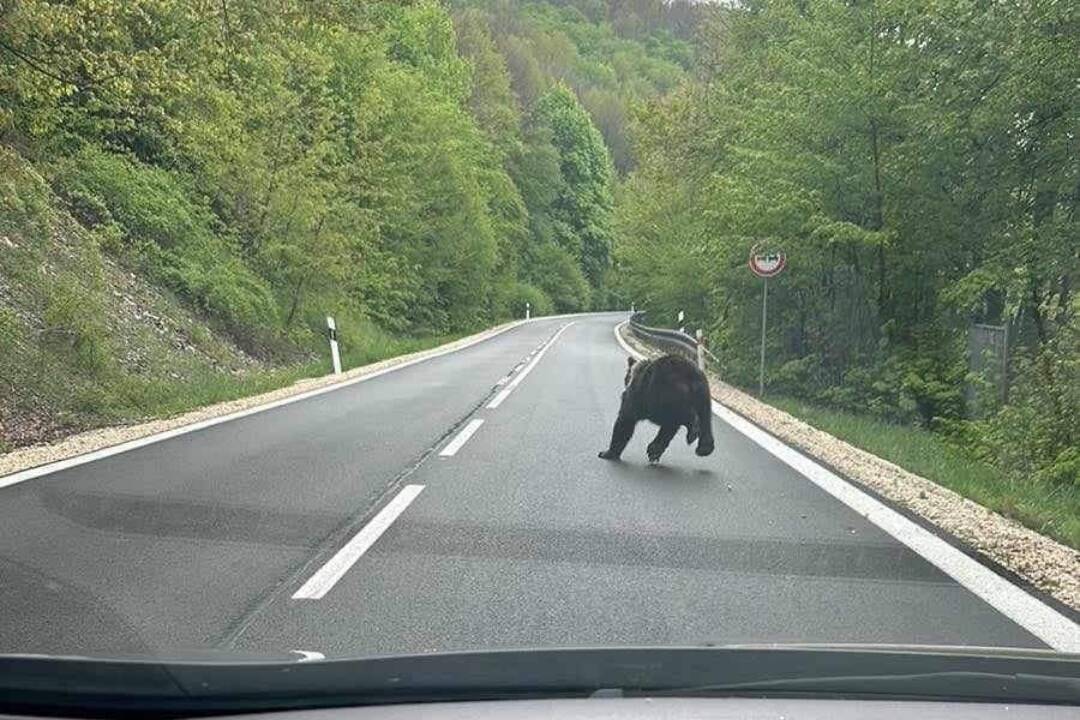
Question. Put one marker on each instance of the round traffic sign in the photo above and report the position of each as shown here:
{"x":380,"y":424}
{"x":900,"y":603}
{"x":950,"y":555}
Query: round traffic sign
{"x":767,"y":263}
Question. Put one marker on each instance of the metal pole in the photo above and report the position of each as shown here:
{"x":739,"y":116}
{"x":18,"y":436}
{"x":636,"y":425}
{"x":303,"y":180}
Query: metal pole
{"x":764,"y":318}
{"x":1005,"y":363}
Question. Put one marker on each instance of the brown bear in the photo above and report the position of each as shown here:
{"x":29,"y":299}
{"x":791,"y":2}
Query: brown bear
{"x":670,"y":391}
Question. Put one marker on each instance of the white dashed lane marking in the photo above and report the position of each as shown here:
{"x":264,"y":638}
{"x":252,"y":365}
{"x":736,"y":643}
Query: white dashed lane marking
{"x":335,"y":568}
{"x":461,"y":438}
{"x":505,"y":392}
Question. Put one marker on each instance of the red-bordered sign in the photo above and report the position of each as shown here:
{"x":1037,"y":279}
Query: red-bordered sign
{"x":767,"y":263}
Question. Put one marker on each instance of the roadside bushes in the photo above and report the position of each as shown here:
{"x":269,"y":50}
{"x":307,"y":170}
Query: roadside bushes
{"x":560,"y":277}
{"x":1037,"y":434}
{"x":521,"y":293}
{"x":156,"y":223}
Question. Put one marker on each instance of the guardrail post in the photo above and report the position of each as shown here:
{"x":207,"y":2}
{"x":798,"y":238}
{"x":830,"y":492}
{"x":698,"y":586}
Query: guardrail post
{"x":700,"y":350}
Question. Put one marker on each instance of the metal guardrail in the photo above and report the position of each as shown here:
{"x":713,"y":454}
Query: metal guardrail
{"x":669,"y":340}
{"x":674,"y":341}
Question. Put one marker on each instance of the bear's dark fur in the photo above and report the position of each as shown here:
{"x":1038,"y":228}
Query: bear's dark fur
{"x":670,"y":391}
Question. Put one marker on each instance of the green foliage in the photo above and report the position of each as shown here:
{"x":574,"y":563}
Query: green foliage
{"x":86,"y":342}
{"x":10,"y":328}
{"x":581,"y":212}
{"x":538,"y":301}
{"x":611,"y":54}
{"x":1036,"y":434}
{"x":268,"y":162}
{"x":560,"y":277}
{"x":491,"y":100}
{"x":74,"y":323}
{"x":167,"y":231}
{"x":413,"y":168}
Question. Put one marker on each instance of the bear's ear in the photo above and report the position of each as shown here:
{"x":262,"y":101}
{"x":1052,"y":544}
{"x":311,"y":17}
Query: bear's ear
{"x":630,"y":362}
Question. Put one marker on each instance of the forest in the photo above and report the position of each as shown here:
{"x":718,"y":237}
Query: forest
{"x":431,"y":168}
{"x":919,"y":163}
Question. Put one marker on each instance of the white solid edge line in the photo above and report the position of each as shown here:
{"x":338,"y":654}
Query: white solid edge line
{"x":335,"y":568}
{"x":1015,"y":603}
{"x":505,"y":392}
{"x":461,"y":438}
{"x":625,"y":346}
{"x":49,"y":468}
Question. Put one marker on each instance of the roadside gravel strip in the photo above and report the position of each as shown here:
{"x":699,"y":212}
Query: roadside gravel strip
{"x":24,"y":459}
{"x":1041,"y":561}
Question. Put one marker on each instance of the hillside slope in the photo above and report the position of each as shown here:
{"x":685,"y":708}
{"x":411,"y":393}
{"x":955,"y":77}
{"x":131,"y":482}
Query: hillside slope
{"x":85,"y":342}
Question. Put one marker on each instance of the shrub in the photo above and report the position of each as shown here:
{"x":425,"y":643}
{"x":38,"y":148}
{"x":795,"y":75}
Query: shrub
{"x":10,"y":328}
{"x":521,"y":293}
{"x":1063,"y":470}
{"x":561,"y":279}
{"x":1036,"y":435}
{"x":171,"y":233}
{"x":74,"y":323}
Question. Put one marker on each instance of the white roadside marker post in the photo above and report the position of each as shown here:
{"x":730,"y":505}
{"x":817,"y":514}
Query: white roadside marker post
{"x":335,"y":354}
{"x":528,"y":309}
{"x":681,"y":316}
{"x":700,"y":350}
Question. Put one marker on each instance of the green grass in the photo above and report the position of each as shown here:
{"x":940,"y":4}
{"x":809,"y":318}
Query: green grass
{"x":1053,"y":510}
{"x":377,"y":344}
{"x":127,"y":399}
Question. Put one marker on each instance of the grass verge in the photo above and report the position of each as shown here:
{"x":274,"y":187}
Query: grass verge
{"x":1053,"y":510}
{"x":138,"y":399}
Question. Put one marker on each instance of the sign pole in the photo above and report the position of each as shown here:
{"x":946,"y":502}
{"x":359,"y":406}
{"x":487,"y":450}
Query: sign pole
{"x":765,"y":263}
{"x":764,"y":319}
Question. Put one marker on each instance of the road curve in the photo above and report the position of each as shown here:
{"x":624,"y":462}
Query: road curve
{"x":342,"y":525}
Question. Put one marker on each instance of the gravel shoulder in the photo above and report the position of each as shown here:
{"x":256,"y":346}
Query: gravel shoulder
{"x":72,"y":446}
{"x":1041,"y":561}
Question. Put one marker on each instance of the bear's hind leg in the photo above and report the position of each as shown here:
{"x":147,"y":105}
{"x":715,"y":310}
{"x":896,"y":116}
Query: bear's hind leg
{"x":703,"y":410}
{"x":692,"y":429}
{"x":661,"y":441}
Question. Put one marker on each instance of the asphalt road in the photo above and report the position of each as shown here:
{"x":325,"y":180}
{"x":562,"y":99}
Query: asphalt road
{"x":523,"y":537}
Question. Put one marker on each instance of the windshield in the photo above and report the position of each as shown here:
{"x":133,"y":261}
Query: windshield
{"x":335,"y":330}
